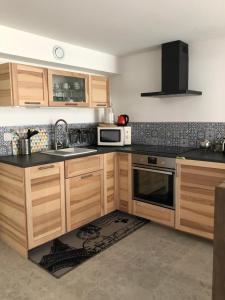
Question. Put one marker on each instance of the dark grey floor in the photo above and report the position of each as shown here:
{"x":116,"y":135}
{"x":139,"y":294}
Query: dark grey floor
{"x":152,"y":263}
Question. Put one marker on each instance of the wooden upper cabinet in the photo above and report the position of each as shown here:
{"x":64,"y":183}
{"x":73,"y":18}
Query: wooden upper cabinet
{"x":22,"y":85}
{"x":45,"y":203}
{"x":99,"y":91}
{"x":29,"y":85}
{"x":68,"y":88}
{"x":6,"y":93}
{"x":195,"y":195}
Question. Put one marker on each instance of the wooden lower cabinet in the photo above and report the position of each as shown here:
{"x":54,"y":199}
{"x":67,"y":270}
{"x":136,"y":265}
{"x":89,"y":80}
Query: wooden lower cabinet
{"x":84,"y":199}
{"x":45,"y":203}
{"x":124,"y":182}
{"x":154,"y":213}
{"x":195,"y":195}
{"x":110,"y":182}
{"x":32,"y":205}
{"x":13,"y":226}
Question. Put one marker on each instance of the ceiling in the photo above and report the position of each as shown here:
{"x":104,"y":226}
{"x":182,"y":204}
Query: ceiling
{"x":117,"y":26}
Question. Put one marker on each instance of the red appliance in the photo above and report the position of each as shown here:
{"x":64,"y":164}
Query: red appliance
{"x":123,"y":120}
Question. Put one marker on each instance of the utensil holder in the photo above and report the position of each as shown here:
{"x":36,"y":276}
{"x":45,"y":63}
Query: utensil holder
{"x":24,"y":147}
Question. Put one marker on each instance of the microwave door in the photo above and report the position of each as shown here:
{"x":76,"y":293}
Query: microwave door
{"x":110,"y":136}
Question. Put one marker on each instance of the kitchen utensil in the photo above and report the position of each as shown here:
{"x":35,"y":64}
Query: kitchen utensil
{"x":123,"y":120}
{"x":223,"y":146}
{"x":24,"y":146}
{"x":205,"y":144}
{"x":30,"y":133}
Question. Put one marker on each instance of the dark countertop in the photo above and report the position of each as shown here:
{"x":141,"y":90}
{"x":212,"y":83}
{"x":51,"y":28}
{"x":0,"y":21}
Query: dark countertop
{"x":36,"y":159}
{"x":205,"y":155}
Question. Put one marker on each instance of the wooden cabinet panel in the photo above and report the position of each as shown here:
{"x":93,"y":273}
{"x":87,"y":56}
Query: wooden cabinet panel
{"x":29,"y":85}
{"x":195,"y":196}
{"x":13,"y":227}
{"x":219,"y":245}
{"x":6,"y":96}
{"x":84,"y":199}
{"x":68,"y":88}
{"x":87,"y":164}
{"x":45,"y":201}
{"x":110,"y":185}
{"x":124,"y":182}
{"x":155,"y":213}
{"x":99,"y":91}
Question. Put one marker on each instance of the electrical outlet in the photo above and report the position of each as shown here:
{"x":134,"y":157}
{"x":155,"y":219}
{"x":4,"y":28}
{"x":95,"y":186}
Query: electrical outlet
{"x":7,"y":137}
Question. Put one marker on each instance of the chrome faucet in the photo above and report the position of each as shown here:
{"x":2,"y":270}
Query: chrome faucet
{"x":58,"y":144}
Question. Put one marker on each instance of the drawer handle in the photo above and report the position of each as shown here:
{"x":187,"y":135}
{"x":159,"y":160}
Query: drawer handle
{"x":35,"y":102}
{"x":101,"y":104}
{"x":71,"y":104}
{"x":46,"y":167}
{"x":86,"y":176}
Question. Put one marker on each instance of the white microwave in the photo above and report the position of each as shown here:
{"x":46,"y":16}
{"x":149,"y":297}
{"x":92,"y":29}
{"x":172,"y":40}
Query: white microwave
{"x":114,"y":136}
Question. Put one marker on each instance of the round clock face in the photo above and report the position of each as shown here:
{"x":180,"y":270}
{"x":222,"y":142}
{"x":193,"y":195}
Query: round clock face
{"x":58,"y":52}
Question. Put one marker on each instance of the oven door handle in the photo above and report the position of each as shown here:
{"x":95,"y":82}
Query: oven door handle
{"x":153,"y":171}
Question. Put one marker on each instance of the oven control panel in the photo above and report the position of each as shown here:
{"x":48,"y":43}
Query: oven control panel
{"x":157,"y":161}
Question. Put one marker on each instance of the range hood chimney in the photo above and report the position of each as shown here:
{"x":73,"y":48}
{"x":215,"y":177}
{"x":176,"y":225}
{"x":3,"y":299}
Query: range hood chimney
{"x":174,"y":71}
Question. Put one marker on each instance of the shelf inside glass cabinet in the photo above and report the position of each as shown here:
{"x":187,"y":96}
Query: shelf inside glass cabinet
{"x":68,"y":89}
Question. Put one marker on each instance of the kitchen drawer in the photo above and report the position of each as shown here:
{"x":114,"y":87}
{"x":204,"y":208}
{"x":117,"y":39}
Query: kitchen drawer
{"x":154,"y":213}
{"x":79,"y":166}
{"x":44,"y":170}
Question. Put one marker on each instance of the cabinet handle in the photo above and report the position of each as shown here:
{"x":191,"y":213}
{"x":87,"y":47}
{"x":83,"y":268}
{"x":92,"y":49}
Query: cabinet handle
{"x":46,"y":167}
{"x":72,"y":104}
{"x":101,"y":104}
{"x":86,"y":176}
{"x":35,"y":102}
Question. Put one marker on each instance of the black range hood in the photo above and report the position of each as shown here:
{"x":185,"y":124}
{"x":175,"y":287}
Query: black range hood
{"x":174,"y":72}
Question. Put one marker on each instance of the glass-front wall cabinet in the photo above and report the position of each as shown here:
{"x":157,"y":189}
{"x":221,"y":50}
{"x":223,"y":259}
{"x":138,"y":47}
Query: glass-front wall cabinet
{"x":67,"y":88}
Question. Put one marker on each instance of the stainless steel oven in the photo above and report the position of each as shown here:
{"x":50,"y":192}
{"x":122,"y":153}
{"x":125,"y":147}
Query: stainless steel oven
{"x":154,"y":180}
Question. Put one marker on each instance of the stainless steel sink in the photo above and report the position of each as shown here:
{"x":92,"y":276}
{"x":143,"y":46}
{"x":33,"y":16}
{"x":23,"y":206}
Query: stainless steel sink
{"x":69,"y":151}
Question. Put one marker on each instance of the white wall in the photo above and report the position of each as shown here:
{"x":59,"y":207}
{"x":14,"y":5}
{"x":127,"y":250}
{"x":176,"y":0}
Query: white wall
{"x":142,"y":73}
{"x":39,"y":116}
{"x":30,"y":46}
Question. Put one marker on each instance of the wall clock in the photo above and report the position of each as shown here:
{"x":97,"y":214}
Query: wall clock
{"x":58,"y":52}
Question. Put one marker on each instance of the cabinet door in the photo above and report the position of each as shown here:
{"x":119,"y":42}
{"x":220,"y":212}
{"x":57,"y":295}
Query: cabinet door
{"x":67,"y":88}
{"x":195,"y":196}
{"x":110,"y":182}
{"x":84,"y":199}
{"x":99,"y":91}
{"x":45,"y":201}
{"x":124,"y":182}
{"x":6,"y":96}
{"x":29,"y":85}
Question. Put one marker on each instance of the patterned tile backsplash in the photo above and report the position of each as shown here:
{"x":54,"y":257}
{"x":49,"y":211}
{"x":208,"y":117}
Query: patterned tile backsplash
{"x":79,"y":134}
{"x":186,"y":134}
